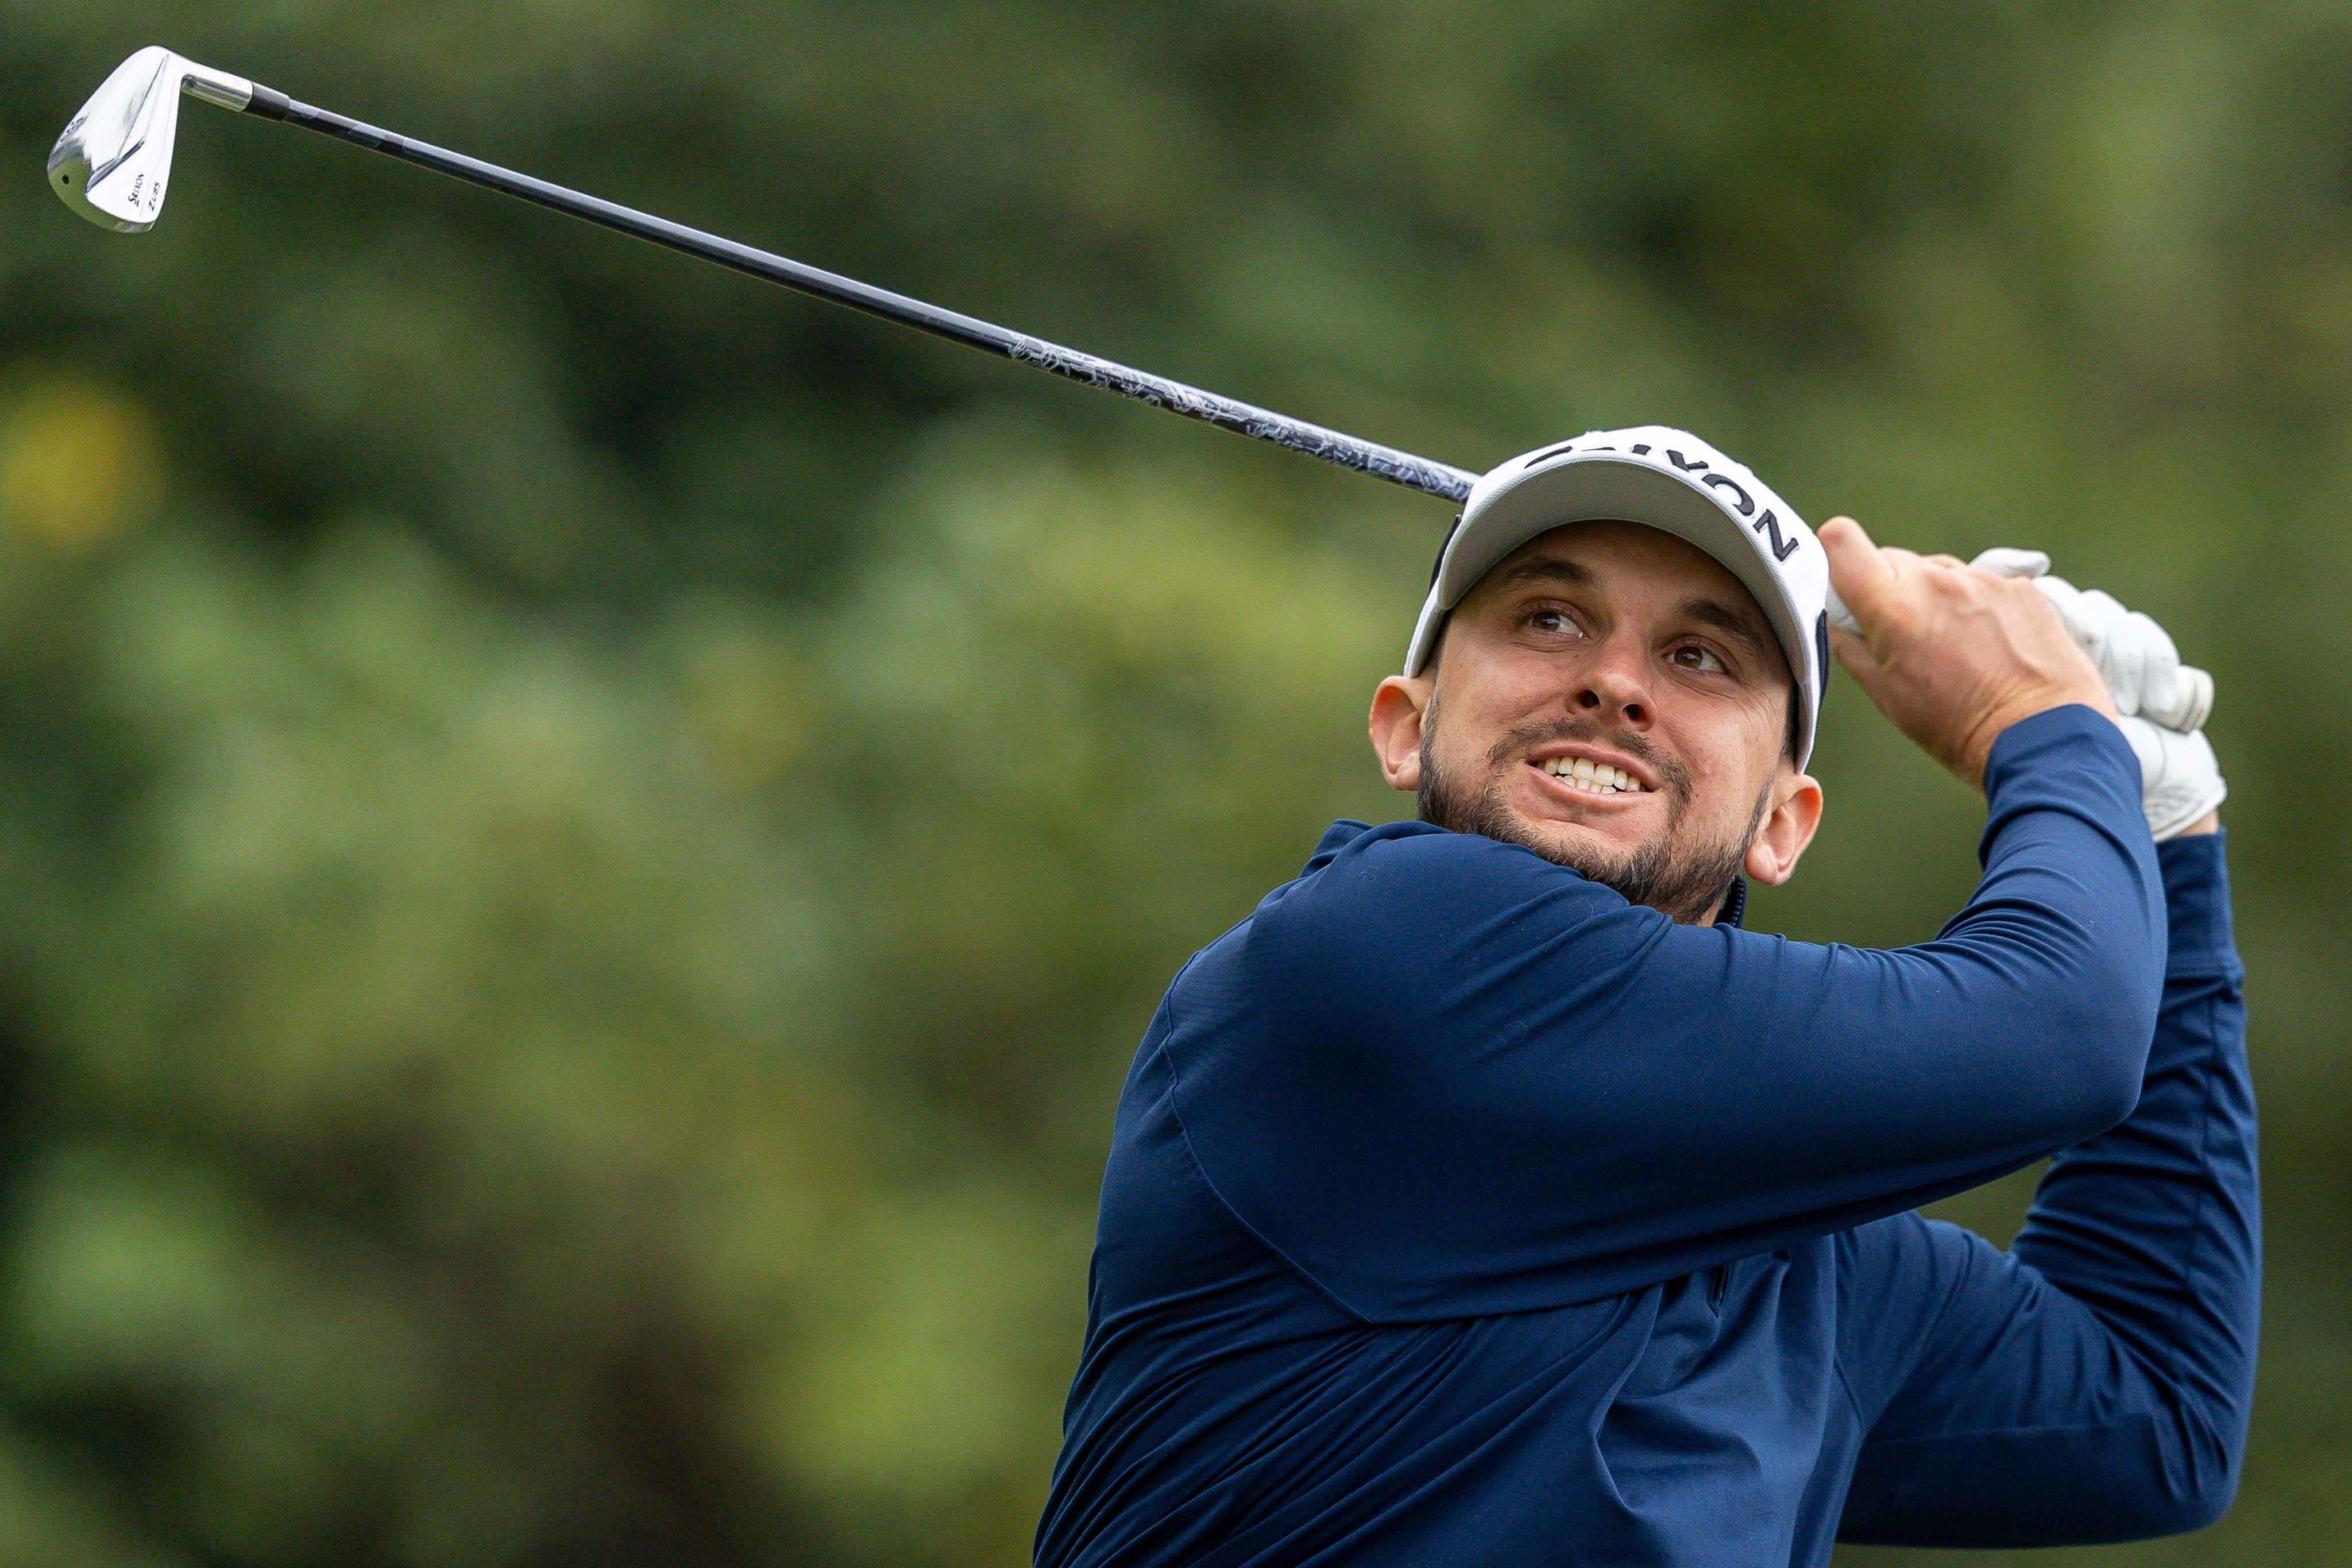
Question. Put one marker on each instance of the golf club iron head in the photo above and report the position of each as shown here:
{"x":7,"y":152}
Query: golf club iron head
{"x":115,"y":158}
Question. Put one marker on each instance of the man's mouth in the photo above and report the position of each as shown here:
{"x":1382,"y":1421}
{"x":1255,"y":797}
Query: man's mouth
{"x":1592,"y":777}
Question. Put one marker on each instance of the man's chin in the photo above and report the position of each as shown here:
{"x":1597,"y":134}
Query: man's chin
{"x":1584,"y":847}
{"x":1604,"y":845}
{"x":1620,"y":843}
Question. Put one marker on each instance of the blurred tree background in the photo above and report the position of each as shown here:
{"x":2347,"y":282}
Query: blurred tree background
{"x":585,"y":841}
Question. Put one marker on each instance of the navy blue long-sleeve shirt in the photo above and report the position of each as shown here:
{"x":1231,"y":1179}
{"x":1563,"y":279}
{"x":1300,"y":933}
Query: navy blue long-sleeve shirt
{"x":1459,"y":1212}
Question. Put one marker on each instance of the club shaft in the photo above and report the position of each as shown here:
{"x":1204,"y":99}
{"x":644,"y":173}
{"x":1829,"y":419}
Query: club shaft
{"x":1296,"y":434}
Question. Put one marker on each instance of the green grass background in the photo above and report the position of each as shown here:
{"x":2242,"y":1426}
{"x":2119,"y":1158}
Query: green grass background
{"x":583,"y":842}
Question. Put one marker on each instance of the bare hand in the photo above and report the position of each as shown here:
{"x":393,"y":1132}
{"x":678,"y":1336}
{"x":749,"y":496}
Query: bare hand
{"x":1953,"y":657}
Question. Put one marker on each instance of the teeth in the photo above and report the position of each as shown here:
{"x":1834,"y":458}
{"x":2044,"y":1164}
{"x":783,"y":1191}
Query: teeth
{"x":1594,"y":778}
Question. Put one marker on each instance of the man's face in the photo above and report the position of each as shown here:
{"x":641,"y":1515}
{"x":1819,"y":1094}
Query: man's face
{"x":1608,"y":646}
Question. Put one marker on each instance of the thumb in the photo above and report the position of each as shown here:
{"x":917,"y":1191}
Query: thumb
{"x":1858,"y":574}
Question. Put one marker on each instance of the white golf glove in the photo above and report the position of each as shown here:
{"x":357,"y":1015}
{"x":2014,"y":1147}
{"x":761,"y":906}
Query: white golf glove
{"x":2179,"y":780}
{"x":2134,"y":655}
{"x":2164,"y":702}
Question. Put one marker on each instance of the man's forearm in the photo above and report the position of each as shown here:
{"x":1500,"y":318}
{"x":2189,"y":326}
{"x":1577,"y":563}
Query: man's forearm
{"x":2157,"y":1226}
{"x":2093,"y":1384}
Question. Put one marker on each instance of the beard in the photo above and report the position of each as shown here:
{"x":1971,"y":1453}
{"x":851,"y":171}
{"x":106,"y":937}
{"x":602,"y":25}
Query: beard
{"x":1682,"y":881}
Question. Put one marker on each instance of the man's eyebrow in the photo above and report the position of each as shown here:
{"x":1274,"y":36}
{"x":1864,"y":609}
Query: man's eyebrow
{"x":1547,"y":568}
{"x":1724,"y":617}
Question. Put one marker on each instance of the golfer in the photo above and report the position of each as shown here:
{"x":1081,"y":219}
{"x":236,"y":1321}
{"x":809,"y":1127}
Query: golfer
{"x":1489,"y":1196}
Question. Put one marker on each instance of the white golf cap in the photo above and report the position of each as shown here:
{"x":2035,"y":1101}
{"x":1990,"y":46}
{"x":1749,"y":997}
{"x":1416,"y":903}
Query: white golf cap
{"x":1668,"y":479}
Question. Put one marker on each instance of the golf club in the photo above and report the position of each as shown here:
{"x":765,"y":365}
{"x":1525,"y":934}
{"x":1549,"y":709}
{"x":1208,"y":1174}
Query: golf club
{"x":113,"y":163}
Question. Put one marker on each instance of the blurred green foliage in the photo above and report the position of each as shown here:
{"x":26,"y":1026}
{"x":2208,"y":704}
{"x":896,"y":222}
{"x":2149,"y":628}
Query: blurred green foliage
{"x":585,"y":842}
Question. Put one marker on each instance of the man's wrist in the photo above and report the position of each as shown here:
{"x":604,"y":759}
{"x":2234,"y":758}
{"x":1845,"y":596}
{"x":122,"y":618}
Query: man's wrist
{"x":2208,"y":823}
{"x":2197,"y":906}
{"x":2067,"y":758}
{"x":1999,"y":722}
{"x":2035,"y":727}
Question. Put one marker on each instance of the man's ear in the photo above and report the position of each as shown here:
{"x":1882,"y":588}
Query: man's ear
{"x":1398,"y":709}
{"x":1787,"y":828}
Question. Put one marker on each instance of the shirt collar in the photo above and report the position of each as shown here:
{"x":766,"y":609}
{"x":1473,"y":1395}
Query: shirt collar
{"x":1336,"y":838}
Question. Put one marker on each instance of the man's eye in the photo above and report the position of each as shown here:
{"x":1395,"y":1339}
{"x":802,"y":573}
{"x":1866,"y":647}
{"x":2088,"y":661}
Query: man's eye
{"x":1550,"y":621}
{"x":1696,"y":659}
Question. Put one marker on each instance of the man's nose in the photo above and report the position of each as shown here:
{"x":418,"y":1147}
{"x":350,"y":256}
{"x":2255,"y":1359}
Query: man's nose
{"x":1614,"y":689}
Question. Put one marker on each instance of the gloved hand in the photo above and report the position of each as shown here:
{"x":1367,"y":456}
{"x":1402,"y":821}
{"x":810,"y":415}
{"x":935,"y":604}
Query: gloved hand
{"x":2180,"y":780}
{"x":2141,"y":668}
{"x":2163,"y":701}
{"x":2136,"y":659}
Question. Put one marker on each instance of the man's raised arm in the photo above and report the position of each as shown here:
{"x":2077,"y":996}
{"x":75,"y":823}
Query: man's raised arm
{"x":1555,"y":1095}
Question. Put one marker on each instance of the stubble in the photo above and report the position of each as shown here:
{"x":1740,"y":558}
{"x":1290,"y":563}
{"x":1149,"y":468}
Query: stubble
{"x":1682,"y":881}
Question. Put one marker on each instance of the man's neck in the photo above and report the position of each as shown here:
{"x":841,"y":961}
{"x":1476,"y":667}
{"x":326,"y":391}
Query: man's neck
{"x":1729,"y":908}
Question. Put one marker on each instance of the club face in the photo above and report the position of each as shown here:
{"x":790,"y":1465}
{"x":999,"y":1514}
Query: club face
{"x":115,"y":157}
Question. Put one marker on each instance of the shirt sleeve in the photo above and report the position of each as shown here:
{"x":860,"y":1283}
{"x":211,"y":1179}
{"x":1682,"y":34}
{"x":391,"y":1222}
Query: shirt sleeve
{"x":1453,"y":1080}
{"x":2092,"y":1383}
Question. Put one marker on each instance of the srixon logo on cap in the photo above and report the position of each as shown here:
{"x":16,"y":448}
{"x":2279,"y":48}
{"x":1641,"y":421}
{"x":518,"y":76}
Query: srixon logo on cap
{"x":1782,"y":546}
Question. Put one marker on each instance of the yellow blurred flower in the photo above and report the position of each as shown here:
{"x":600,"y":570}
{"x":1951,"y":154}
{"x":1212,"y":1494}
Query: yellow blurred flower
{"x":78,"y":465}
